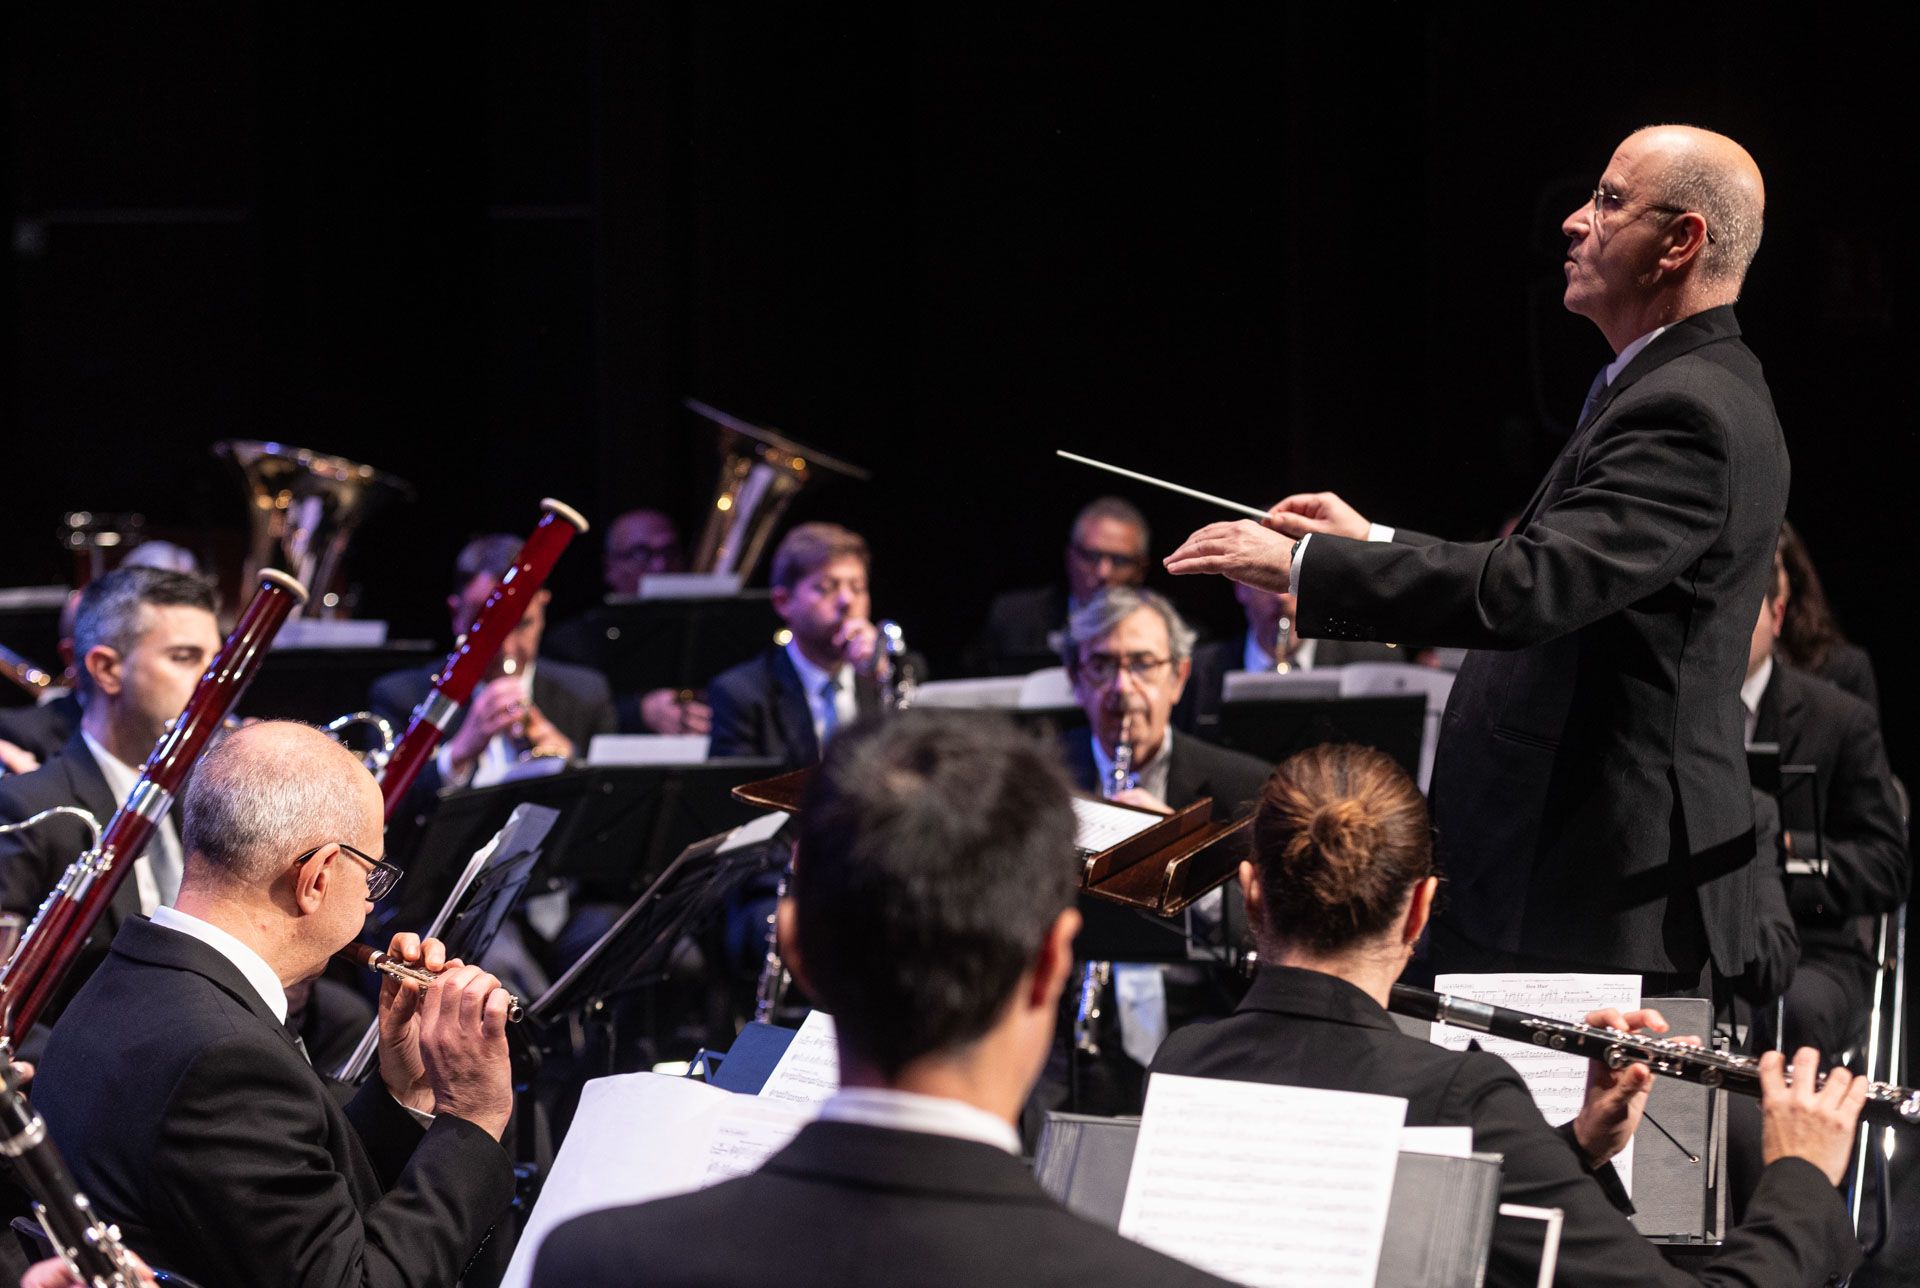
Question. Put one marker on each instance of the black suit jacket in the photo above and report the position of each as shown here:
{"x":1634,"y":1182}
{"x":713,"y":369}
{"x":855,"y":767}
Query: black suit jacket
{"x":31,"y":862}
{"x":761,"y":710}
{"x":1305,"y":1029}
{"x":1199,"y":709}
{"x":1860,"y":827}
{"x":1019,"y":632}
{"x":856,"y":1205}
{"x":42,"y":729}
{"x":1590,"y":790}
{"x":190,"y":1118}
{"x":1232,"y":778}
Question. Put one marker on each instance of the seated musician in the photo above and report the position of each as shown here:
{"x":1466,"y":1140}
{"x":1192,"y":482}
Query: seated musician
{"x":931,"y":912}
{"x":39,"y":732}
{"x":1269,"y":640}
{"x":787,"y":702}
{"x":1107,"y":546}
{"x":532,"y":706}
{"x":1849,"y":817}
{"x":192,"y":1118}
{"x":1338,"y":891}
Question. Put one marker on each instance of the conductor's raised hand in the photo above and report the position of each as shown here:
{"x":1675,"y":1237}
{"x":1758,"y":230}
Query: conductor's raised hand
{"x":402,"y":1067}
{"x":1241,"y":550}
{"x":463,"y":1040}
{"x":1616,"y":1098}
{"x":1305,"y":512}
{"x":1805,"y":1121}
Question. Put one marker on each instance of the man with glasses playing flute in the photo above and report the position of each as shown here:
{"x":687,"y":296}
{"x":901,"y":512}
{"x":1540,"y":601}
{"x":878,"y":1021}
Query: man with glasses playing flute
{"x":193,"y":1119}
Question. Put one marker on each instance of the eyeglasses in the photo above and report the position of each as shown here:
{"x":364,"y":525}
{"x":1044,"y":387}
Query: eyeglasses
{"x":1100,"y":668}
{"x":380,"y":881}
{"x":1604,"y":201}
{"x":1092,"y":558}
{"x":641,"y":552}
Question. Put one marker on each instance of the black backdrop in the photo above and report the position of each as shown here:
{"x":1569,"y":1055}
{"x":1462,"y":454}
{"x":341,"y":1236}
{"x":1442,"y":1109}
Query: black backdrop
{"x":1252,"y":247}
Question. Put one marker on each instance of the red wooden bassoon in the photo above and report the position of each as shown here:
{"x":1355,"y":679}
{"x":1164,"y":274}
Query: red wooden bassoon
{"x":474,"y":651}
{"x":61,"y":927}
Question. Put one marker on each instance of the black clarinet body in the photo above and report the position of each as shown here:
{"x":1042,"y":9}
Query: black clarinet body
{"x":89,"y":1245}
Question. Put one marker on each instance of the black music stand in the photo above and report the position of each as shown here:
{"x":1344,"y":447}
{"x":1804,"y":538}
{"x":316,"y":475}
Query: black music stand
{"x":645,"y":644}
{"x":1787,"y":784}
{"x":320,"y":684}
{"x":620,"y":825}
{"x":1274,"y":728}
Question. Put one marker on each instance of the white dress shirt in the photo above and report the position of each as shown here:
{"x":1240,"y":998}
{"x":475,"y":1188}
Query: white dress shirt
{"x":929,"y":1115}
{"x":1752,"y":690}
{"x":832,"y":711}
{"x":1628,"y":354}
{"x":497,"y":759}
{"x":1150,"y":777}
{"x":156,"y":873}
{"x":245,"y":960}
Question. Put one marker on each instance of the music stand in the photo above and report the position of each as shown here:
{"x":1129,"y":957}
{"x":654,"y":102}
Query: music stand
{"x":1770,"y":774}
{"x":645,"y":644}
{"x":1273,"y":729}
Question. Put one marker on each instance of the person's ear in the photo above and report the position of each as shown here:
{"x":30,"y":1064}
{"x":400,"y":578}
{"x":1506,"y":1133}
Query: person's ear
{"x":1687,"y":239}
{"x":1054,"y":962}
{"x":314,"y":878}
{"x":104,"y":667}
{"x":1181,"y":670}
{"x":1419,"y":911}
{"x":1256,"y":907}
{"x":782,"y":597}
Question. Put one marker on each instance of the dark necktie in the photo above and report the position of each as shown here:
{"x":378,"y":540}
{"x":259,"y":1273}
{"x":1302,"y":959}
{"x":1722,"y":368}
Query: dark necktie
{"x":1594,"y":391}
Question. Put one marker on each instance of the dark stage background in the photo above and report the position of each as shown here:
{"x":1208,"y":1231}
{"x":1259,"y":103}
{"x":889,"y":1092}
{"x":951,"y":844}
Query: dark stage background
{"x":1256,"y":248}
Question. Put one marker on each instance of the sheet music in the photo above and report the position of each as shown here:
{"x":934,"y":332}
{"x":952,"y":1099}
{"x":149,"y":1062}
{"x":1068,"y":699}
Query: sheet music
{"x":1099,"y":826}
{"x":809,"y":1069}
{"x":757,"y":832}
{"x":1278,"y":1187}
{"x":1558,"y":1081}
{"x":644,"y":1136}
{"x":1448,"y":1142}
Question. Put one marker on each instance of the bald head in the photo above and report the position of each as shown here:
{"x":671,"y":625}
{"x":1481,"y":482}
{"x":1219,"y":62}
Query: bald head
{"x":1709,"y":174}
{"x":269,"y":792}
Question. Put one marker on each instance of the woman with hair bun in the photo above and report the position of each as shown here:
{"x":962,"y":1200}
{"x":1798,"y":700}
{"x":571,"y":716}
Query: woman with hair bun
{"x":1338,"y":889}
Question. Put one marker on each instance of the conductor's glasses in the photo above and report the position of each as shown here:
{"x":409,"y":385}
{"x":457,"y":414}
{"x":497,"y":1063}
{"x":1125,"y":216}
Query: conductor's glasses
{"x":382,"y":877}
{"x":1100,"y":668}
{"x":1607,"y":202}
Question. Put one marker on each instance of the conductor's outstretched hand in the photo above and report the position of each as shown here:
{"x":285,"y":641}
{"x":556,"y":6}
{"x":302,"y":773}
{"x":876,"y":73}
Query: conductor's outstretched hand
{"x":1305,"y":512}
{"x":1247,"y":552}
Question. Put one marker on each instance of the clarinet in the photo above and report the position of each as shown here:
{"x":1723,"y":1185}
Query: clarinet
{"x":474,"y":651}
{"x":60,"y":929}
{"x":89,"y":1245}
{"x":1096,"y":976}
{"x":1886,"y":1103}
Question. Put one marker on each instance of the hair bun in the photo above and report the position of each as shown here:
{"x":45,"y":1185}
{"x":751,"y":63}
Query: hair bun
{"x":1342,"y":831}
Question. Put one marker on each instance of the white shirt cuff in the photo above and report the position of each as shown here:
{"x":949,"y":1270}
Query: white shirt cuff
{"x":1379,"y":532}
{"x":443,"y":761}
{"x":418,"y":1115}
{"x":1375,"y":532}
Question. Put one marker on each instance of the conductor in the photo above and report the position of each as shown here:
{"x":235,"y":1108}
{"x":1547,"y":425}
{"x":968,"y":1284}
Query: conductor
{"x":1590,"y":787}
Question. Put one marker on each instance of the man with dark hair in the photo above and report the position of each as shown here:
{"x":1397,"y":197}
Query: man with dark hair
{"x":191,"y":1116}
{"x":931,"y":911}
{"x":1106,"y":546}
{"x":142,"y":639}
{"x":1589,"y":787}
{"x":532,"y":706}
{"x":788,"y":701}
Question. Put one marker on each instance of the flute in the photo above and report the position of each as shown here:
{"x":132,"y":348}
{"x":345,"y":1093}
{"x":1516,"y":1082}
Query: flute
{"x":387,"y":964}
{"x":1670,"y":1057}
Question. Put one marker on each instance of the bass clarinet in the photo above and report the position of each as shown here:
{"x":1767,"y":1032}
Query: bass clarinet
{"x":89,"y":1245}
{"x":1886,"y":1103}
{"x":60,"y":929}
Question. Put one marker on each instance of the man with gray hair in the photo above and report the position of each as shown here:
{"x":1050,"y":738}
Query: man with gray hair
{"x":1106,"y":546}
{"x":142,"y":639}
{"x":1590,"y":786}
{"x":191,"y":1116}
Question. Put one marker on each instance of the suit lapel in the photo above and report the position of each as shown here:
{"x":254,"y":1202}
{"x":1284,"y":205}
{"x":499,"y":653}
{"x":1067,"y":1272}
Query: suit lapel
{"x":142,"y":941}
{"x":792,"y":712}
{"x":1186,"y":776}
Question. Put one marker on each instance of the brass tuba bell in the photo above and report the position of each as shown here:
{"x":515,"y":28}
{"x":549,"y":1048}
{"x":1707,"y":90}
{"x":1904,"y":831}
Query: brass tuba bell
{"x":302,"y":509}
{"x":760,"y":471}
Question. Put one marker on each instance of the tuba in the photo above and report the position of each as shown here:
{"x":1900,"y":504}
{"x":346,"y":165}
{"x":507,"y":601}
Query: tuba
{"x":302,"y":510}
{"x":760,"y":471}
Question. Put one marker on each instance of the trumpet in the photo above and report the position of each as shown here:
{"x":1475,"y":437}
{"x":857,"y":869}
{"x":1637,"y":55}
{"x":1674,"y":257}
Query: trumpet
{"x":372,"y":958}
{"x":1666,"y":1056}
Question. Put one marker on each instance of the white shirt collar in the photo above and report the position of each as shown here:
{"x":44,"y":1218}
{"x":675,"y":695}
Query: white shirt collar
{"x":1755,"y":686}
{"x":245,"y":960}
{"x":911,"y":1111}
{"x":1629,"y":353}
{"x":812,"y":678}
{"x":121,"y":780}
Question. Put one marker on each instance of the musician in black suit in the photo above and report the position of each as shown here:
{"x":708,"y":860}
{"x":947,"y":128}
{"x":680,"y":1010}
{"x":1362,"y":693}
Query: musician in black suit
{"x":1107,"y":546}
{"x":192,"y":1118}
{"x":143,"y":637}
{"x":532,"y":706}
{"x":931,"y":913}
{"x":1268,"y":638}
{"x":787,"y":702}
{"x":1589,"y":787}
{"x":1338,"y":891}
{"x":1848,"y":816}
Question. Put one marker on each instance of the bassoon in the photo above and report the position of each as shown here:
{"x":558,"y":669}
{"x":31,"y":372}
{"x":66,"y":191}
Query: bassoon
{"x":70,"y":912}
{"x":1670,"y":1057}
{"x":473,"y":652}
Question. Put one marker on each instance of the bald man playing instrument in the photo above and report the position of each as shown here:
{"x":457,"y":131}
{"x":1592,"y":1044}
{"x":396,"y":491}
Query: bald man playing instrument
{"x":1590,"y":788}
{"x":192,"y":1118}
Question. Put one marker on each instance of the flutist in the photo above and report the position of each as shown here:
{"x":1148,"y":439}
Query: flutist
{"x":192,"y":1118}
